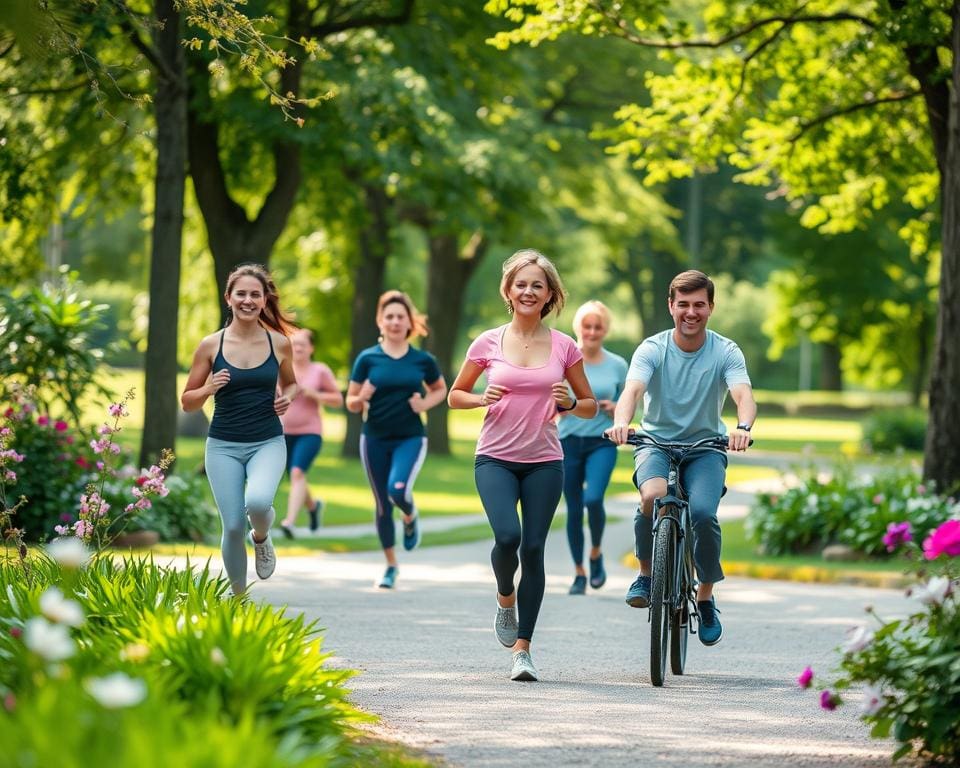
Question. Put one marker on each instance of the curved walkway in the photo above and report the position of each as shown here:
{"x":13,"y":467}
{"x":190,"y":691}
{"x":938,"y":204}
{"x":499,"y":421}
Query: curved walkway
{"x":431,"y":667}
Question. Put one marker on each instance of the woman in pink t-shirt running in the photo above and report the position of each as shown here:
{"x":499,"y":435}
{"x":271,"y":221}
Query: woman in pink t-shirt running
{"x":303,"y":428}
{"x":519,"y":458}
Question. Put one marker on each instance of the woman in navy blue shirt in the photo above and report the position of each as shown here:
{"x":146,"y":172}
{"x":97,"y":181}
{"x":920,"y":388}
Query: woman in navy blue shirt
{"x":392,"y":383}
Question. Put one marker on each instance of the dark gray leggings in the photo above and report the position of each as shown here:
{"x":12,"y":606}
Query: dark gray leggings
{"x":537,"y":486}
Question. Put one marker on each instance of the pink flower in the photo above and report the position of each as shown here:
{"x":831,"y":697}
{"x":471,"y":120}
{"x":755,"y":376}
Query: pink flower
{"x":105,"y":429}
{"x":897,"y":534}
{"x":69,"y":440}
{"x":829,"y":700}
{"x":878,"y":499}
{"x":117,"y":410}
{"x":945,"y":540}
{"x":43,"y":420}
{"x":5,"y":431}
{"x":61,"y":426}
{"x":921,"y":489}
{"x":9,"y":702}
{"x":806,"y":677}
{"x":16,"y":632}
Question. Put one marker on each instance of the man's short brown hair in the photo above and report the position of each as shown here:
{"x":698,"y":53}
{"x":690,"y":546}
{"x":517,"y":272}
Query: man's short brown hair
{"x":690,"y":281}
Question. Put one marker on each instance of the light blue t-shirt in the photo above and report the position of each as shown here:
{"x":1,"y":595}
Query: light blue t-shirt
{"x":606,"y":379}
{"x":685,"y":390}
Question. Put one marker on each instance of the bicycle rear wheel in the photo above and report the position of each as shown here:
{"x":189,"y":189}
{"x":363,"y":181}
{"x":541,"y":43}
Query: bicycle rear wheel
{"x":661,"y":597}
{"x":680,"y":621}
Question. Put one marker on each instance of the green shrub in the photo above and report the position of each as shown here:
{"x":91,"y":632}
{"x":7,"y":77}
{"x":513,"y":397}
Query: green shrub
{"x":841,"y":508}
{"x":911,"y":665}
{"x":55,"y":467}
{"x":190,"y":668}
{"x":895,"y":429}
{"x":45,"y":342}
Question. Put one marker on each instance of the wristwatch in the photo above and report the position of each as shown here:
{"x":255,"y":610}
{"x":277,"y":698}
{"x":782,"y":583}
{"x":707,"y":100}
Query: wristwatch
{"x":744,"y":427}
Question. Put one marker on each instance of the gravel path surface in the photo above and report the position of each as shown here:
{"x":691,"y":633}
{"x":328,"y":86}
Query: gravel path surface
{"x":431,"y":666}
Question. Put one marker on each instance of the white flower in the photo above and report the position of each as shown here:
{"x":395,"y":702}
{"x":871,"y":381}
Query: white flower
{"x":69,"y":552}
{"x":858,"y":638}
{"x":59,"y":610}
{"x":51,"y":641}
{"x":933,"y":592}
{"x":872,"y":701}
{"x":116,"y":690}
{"x":218,"y":657}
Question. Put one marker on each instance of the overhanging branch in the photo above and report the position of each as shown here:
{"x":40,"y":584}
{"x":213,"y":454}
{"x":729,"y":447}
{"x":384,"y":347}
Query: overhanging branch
{"x":332,"y":26}
{"x":850,"y":108}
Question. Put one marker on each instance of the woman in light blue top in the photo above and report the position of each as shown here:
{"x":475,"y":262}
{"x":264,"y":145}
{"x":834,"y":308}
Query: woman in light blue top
{"x":588,"y":459}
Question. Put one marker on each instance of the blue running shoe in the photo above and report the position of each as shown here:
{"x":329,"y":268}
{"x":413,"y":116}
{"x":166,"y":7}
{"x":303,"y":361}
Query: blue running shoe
{"x":389,"y":578}
{"x":710,"y":628}
{"x":638,"y":596}
{"x":598,"y":575}
{"x":411,"y":532}
{"x":579,"y":586}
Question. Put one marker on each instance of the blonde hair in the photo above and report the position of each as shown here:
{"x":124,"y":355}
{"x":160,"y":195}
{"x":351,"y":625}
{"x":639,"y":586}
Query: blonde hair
{"x":523,"y":258}
{"x":418,"y":322}
{"x":597,"y":308}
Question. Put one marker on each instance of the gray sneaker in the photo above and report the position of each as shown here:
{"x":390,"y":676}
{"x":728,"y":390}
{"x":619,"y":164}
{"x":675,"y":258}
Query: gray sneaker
{"x":523,"y":668}
{"x":505,"y":625}
{"x":264,"y":556}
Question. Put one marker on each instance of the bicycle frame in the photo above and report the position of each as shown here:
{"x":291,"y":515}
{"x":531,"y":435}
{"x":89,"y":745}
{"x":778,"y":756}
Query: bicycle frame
{"x":673,"y":605}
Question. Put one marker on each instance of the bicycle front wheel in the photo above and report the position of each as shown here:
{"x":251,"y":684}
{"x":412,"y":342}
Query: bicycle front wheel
{"x":680,"y":620}
{"x":661,"y":597}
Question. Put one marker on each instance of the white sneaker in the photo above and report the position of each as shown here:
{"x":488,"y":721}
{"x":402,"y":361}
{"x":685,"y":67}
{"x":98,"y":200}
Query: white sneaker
{"x":505,"y":625}
{"x":264,"y":556}
{"x":523,"y":668}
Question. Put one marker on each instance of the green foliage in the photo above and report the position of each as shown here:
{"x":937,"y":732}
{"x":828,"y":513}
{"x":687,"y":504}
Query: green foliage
{"x":194,"y":676}
{"x":45,"y":343}
{"x":895,"y":429}
{"x":911,"y":665}
{"x":846,"y":509}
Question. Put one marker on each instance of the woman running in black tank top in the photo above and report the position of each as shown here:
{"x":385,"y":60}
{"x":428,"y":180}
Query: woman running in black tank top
{"x":242,"y":366}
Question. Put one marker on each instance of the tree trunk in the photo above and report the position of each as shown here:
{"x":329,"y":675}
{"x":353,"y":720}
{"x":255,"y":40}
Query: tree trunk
{"x":160,"y":400}
{"x":368,"y":282}
{"x":942,"y":451}
{"x":449,"y":273}
{"x":831,"y":375}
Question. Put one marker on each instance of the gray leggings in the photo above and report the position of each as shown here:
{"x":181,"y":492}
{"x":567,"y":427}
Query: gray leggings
{"x":244,"y":478}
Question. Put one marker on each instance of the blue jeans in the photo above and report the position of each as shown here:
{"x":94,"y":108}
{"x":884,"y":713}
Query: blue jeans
{"x":392,"y":465}
{"x":244,"y":479}
{"x":588,"y":463}
{"x":701,"y":475}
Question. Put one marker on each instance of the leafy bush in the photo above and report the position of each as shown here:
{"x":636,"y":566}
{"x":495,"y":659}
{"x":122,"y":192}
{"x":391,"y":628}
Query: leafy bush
{"x":843,"y":509}
{"x":154,"y":666}
{"x":55,"y":467}
{"x":45,"y":343}
{"x":895,"y":428}
{"x":911,"y":666}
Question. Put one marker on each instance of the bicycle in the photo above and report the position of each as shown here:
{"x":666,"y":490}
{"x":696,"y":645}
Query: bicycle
{"x":673,"y":590}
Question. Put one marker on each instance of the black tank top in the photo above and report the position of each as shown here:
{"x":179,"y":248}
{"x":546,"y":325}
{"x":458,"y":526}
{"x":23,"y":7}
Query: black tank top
{"x":243,"y":409}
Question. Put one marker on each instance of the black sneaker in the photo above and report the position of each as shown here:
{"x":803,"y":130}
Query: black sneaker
{"x":711,"y":630}
{"x":579,"y":586}
{"x":316,"y":514}
{"x":598,"y":575}
{"x":287,"y":531}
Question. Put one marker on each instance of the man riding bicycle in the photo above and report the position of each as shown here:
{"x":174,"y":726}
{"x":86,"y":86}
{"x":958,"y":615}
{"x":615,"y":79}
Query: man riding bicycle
{"x":683,"y":376}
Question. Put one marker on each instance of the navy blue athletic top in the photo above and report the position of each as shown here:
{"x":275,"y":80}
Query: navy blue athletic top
{"x":396,"y":379}
{"x":243,"y":409}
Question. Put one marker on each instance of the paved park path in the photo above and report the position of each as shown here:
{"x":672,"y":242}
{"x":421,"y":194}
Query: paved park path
{"x":432,"y":669}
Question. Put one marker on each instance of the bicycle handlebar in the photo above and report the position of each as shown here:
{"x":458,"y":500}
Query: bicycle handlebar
{"x":642,"y":438}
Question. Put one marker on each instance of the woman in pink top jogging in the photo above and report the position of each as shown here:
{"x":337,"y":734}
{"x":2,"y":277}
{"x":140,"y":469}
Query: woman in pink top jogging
{"x":303,"y":427}
{"x":519,"y":458}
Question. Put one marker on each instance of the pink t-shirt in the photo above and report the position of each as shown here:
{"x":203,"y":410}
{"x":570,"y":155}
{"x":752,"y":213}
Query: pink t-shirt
{"x":303,"y":415}
{"x":522,"y":425}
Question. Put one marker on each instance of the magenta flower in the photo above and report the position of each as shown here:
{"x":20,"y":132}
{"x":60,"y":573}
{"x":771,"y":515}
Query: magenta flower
{"x":61,"y":426}
{"x":118,"y":409}
{"x":829,"y":700}
{"x":945,"y":540}
{"x":43,"y":420}
{"x":897,"y":534}
{"x":806,"y":677}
